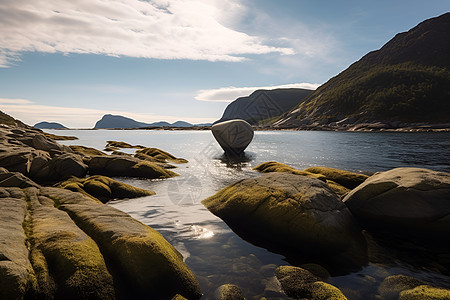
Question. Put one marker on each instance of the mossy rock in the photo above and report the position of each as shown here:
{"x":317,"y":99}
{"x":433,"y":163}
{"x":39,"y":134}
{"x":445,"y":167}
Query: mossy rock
{"x":299,"y":283}
{"x":317,"y":270}
{"x":124,"y":166}
{"x":103,"y":188}
{"x":117,"y":144}
{"x":391,"y":286}
{"x":285,"y":212}
{"x":345,"y":178}
{"x":68,"y":263}
{"x":16,"y":272}
{"x":159,"y":156}
{"x":229,"y":292}
{"x":425,"y":292}
{"x":273,"y":166}
{"x":87,"y":151}
{"x":142,"y":262}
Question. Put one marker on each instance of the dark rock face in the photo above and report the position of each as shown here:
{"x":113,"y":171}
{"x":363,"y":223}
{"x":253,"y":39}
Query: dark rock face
{"x":410,"y":201}
{"x":233,"y":136}
{"x":264,"y":104}
{"x":406,"y":81}
{"x":285,"y":212}
{"x":49,"y":125}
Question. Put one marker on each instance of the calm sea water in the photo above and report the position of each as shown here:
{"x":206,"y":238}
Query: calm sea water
{"x":217,"y":255}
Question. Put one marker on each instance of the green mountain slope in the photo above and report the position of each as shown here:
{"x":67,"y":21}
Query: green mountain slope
{"x":407,"y":80}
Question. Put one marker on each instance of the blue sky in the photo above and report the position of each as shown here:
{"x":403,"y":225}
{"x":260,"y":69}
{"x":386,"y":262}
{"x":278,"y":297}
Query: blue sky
{"x":73,"y":61}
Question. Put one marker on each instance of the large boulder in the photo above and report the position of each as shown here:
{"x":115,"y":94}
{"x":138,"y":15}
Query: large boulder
{"x":55,"y":243}
{"x":124,"y":166}
{"x":144,"y":263}
{"x":233,"y":136}
{"x":409,"y":201}
{"x":425,"y":292}
{"x":294,"y":215}
{"x":15,"y":179}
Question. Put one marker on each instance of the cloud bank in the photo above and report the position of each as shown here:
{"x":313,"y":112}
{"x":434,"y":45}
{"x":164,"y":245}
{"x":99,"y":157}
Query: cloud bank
{"x":229,"y":94}
{"x":75,"y":117}
{"x":162,"y":29}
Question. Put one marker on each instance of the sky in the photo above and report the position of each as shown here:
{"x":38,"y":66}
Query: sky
{"x":72,"y":61}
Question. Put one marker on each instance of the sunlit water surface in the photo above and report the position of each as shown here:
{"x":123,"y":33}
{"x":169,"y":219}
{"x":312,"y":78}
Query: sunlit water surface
{"x":217,"y":255}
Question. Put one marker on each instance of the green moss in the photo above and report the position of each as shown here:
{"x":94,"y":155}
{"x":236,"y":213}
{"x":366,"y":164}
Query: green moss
{"x":159,"y":155}
{"x":143,"y":263}
{"x":425,"y":292}
{"x":116,"y":144}
{"x":103,"y":188}
{"x":346,"y":179}
{"x":87,"y":151}
{"x":324,"y":291}
{"x":327,"y":175}
{"x":273,"y":166}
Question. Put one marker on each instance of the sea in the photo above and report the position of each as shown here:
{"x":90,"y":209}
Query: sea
{"x":210,"y":248}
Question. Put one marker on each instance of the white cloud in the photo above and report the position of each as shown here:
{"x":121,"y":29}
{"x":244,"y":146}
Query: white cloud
{"x":163,"y":29}
{"x":75,"y":117}
{"x":14,"y":101}
{"x":228,"y":94}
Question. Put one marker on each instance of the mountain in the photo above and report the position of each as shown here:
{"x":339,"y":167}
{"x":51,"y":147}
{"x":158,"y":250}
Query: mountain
{"x":264,"y":105}
{"x":49,"y":125}
{"x":405,"y":81}
{"x":114,"y":121}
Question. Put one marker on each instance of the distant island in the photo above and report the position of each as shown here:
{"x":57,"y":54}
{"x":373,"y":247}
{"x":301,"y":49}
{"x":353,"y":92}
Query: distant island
{"x":49,"y":125}
{"x":406,"y":82}
{"x":109,"y":121}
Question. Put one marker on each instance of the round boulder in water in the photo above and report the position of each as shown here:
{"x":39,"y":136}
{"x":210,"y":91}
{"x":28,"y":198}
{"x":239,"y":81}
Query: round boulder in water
{"x":233,"y":135}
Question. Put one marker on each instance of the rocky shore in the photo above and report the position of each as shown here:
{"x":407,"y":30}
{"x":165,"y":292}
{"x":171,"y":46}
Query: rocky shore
{"x":59,"y":240}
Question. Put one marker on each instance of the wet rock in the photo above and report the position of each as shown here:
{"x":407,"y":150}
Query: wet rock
{"x":116,"y":144}
{"x":299,"y":283}
{"x":229,"y":292}
{"x":103,"y":188}
{"x":391,"y":287}
{"x":285,"y":212}
{"x":317,"y":270}
{"x":410,"y":201}
{"x":86,"y":151}
{"x":127,"y":166}
{"x":157,"y":155}
{"x":425,"y":292}
{"x":233,"y":136}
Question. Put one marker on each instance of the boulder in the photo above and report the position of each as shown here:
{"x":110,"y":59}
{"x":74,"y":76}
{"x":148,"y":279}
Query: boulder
{"x":56,"y":243}
{"x":392,"y":286}
{"x":229,"y":292}
{"x":408,"y":201}
{"x":67,"y":165}
{"x":139,"y":258}
{"x":233,"y":136}
{"x":299,"y":283}
{"x":116,"y":144}
{"x":347,"y":179}
{"x":15,"y":179}
{"x":124,"y":166}
{"x":68,"y":263}
{"x":103,"y":188}
{"x":425,"y":292}
{"x":294,"y":215}
{"x":158,"y":156}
